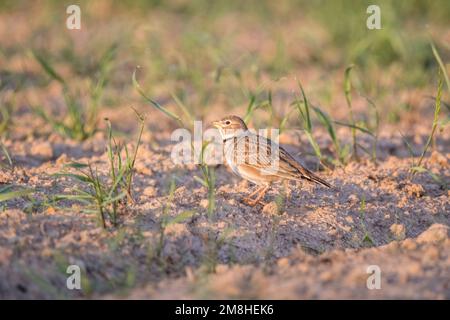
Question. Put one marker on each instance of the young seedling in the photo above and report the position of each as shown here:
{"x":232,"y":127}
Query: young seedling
{"x":442,"y":67}
{"x":304,"y":109}
{"x":437,"y":110}
{"x":208,"y":179}
{"x":118,"y":164}
{"x":104,"y":197}
{"x":253,"y":104}
{"x":80,"y":121}
{"x":101,"y":198}
{"x":305,"y":118}
{"x":341,"y":153}
{"x":214,"y":244}
{"x":9,"y":192}
{"x":362,"y":212}
{"x":6,"y":156}
{"x":348,"y":98}
{"x":373,"y":128}
{"x":6,"y":110}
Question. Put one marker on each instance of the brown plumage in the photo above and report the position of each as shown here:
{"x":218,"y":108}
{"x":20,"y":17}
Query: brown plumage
{"x":251,"y":157}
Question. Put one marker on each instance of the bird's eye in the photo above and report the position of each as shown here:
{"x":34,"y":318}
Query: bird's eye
{"x":228,"y":122}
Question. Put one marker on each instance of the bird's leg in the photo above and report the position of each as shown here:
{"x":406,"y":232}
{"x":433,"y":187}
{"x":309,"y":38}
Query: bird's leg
{"x":262,"y":191}
{"x":261,"y":194}
{"x":248,"y":199}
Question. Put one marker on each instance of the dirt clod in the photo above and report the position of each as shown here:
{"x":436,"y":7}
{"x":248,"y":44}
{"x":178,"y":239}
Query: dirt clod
{"x":434,"y":234}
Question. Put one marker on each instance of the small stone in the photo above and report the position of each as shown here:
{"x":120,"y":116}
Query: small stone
{"x":332,"y":232}
{"x":349,"y":219}
{"x":283,"y":262}
{"x":62,"y":159}
{"x":414,"y":190}
{"x":434,"y":234}
{"x":42,"y":150}
{"x":204,"y":203}
{"x":143,"y":169}
{"x":150,"y":191}
{"x":398,"y":230}
{"x":439,"y":158}
{"x":271,"y":208}
{"x":50,"y":211}
{"x":353,"y":198}
{"x":409,"y":244}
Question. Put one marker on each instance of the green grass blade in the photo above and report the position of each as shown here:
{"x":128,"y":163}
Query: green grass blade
{"x":314,"y":144}
{"x":154,"y":103}
{"x":326,"y":121}
{"x":180,"y":218}
{"x":48,"y":68}
{"x":307,"y":116}
{"x":353,"y":126}
{"x":79,"y":177}
{"x":6,"y":153}
{"x":114,"y":199}
{"x":76,"y":165}
{"x":4,"y":196}
{"x":441,"y":64}
{"x":437,"y":110}
{"x":183,"y":107}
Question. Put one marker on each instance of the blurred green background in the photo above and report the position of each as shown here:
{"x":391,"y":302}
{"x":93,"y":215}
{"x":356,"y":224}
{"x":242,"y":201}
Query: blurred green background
{"x":209,"y":52}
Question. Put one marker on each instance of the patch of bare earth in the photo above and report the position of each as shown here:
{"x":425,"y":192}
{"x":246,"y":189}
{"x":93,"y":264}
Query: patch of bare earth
{"x":318,"y":243}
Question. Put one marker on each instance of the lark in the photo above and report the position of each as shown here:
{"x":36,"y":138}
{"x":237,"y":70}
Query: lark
{"x":259,"y":159}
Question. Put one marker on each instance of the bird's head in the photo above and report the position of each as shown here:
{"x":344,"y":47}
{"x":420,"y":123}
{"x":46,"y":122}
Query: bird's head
{"x":230,"y":126}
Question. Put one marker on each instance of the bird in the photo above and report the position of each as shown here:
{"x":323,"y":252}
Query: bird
{"x":259,"y":159}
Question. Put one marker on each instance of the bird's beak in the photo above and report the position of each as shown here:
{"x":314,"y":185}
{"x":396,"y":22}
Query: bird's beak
{"x":215,"y":124}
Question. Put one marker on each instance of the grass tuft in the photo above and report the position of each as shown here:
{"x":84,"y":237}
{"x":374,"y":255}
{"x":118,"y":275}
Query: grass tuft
{"x":105,"y":197}
{"x":80,"y":120}
{"x":208,"y":175}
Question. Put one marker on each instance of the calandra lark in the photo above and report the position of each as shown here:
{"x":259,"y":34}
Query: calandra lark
{"x":259,"y":159}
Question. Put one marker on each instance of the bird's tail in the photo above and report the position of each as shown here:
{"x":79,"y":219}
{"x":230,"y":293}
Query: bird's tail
{"x":308,"y":175}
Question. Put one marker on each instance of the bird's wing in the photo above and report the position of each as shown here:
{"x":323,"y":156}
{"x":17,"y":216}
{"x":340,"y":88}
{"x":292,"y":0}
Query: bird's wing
{"x":302,"y":171}
{"x":272,"y":159}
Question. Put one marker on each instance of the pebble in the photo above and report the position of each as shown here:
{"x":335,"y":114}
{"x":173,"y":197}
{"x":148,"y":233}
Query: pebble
{"x":204,"y":203}
{"x":353,"y":198}
{"x":283,"y":262}
{"x":415,"y":190}
{"x":434,"y":234}
{"x":42,"y":150}
{"x":349,"y":219}
{"x":150,"y":191}
{"x":398,"y":230}
{"x":409,"y":244}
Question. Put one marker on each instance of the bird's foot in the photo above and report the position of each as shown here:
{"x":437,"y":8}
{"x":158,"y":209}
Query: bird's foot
{"x":253,"y":202}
